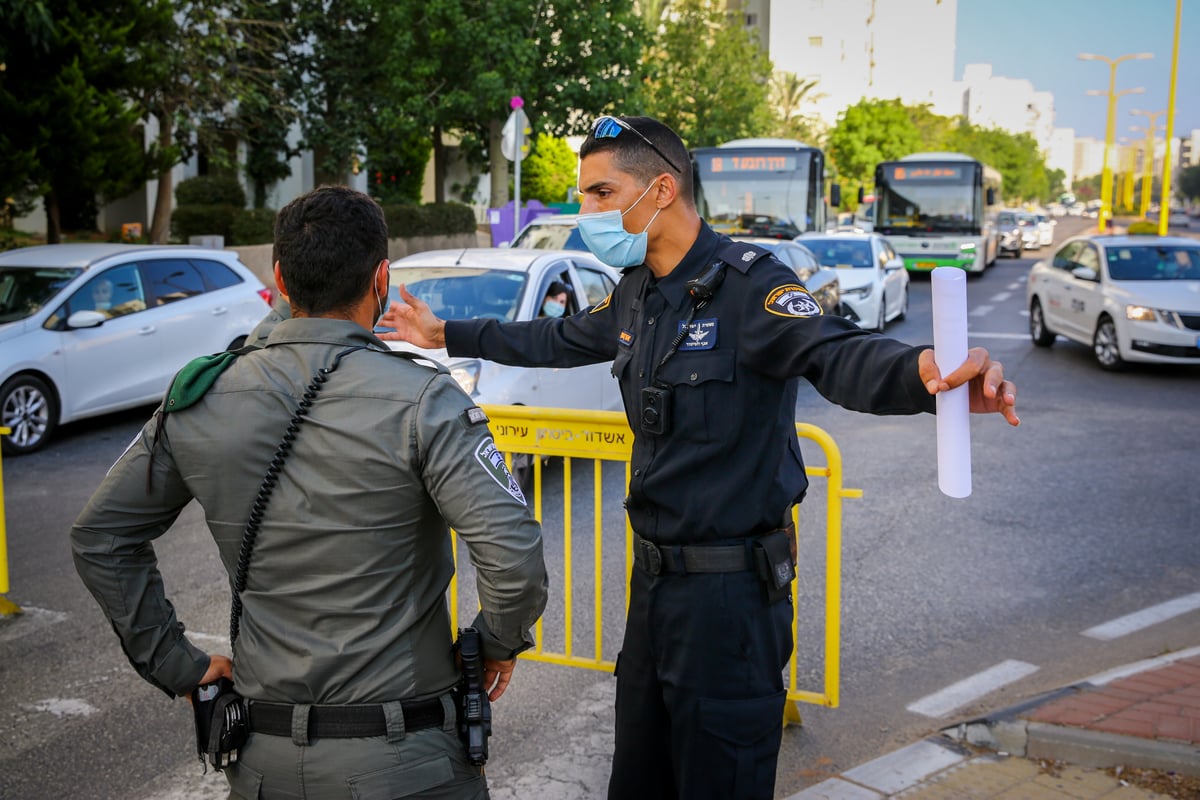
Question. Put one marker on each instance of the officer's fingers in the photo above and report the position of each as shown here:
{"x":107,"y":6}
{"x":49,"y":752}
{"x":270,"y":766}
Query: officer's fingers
{"x":496,"y":676}
{"x":927,"y":368}
{"x":978,"y":363}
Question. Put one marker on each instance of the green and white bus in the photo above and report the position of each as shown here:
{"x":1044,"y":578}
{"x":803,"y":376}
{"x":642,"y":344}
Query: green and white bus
{"x":938,"y":210}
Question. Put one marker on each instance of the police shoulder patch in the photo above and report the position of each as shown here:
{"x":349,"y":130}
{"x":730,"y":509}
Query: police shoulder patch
{"x":492,"y":461}
{"x":603,"y":304}
{"x":792,"y":300}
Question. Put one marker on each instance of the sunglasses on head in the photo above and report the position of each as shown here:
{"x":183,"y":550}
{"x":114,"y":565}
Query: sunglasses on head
{"x":610,"y":128}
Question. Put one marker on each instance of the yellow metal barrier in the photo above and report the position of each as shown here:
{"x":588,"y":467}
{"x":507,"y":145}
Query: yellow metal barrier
{"x":7,"y":608}
{"x":601,"y":436}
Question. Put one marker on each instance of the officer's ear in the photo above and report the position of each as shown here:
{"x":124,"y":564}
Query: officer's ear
{"x":666,"y":190}
{"x":279,"y":284}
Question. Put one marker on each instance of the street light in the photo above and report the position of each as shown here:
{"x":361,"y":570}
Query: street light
{"x":1148,"y":166}
{"x":1113,"y":94}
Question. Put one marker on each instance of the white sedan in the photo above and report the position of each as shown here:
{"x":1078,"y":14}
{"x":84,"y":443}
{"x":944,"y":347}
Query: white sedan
{"x":511,"y":285}
{"x":874,"y":282}
{"x":88,"y":329}
{"x":1130,"y":298}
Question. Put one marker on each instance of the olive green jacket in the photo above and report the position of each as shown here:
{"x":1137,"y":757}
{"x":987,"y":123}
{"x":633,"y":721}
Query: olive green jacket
{"x":345,"y":600}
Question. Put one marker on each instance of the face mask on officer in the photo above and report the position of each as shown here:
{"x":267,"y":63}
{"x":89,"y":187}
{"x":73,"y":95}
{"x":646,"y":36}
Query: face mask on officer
{"x":604,"y":234}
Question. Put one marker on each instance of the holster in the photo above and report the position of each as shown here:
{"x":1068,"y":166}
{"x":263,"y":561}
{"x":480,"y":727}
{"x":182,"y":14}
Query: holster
{"x":775,"y":562}
{"x":221,"y":723}
{"x":474,"y":708}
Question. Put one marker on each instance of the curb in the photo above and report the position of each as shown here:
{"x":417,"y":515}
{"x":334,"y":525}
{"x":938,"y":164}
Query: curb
{"x":1006,"y":734}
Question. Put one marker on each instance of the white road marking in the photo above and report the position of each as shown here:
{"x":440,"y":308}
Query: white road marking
{"x":1000,"y":298}
{"x":65,"y":707}
{"x":965,"y":691}
{"x":209,"y":637}
{"x":1144,"y":618}
{"x":973,"y":335}
{"x":979,"y":311}
{"x":29,"y":620}
{"x":1105,"y":678}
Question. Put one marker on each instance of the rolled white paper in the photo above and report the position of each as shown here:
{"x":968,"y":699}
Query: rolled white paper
{"x":949,"y":286}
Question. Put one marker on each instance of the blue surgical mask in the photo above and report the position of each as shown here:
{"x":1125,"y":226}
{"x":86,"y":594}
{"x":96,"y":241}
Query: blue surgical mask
{"x":605,"y":235}
{"x":553,"y":309}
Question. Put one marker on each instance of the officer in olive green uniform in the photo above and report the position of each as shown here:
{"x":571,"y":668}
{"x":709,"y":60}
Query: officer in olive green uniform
{"x":344,"y":608}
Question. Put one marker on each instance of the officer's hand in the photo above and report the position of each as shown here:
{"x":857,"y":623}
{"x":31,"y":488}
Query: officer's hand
{"x":989,"y":392}
{"x":498,"y":673}
{"x":218,"y":667}
{"x":413,"y":322}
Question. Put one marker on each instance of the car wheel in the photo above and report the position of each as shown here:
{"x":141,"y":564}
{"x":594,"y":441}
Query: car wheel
{"x":28,"y":408}
{"x":1105,"y":345}
{"x":1041,"y":335}
{"x":882,"y":314}
{"x":903,"y":305}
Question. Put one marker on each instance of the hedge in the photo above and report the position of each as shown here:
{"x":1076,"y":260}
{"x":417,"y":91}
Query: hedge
{"x":210,"y":190}
{"x":433,"y":219}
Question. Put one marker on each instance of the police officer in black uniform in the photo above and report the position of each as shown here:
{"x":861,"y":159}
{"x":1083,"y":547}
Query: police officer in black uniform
{"x":708,"y":339}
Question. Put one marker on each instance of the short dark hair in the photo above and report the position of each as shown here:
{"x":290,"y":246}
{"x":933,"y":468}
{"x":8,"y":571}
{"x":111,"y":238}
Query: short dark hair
{"x":635,"y":157}
{"x":556,"y":288}
{"x":328,"y":243}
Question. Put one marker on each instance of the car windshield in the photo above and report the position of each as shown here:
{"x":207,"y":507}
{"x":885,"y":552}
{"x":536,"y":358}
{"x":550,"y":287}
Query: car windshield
{"x":1007,"y":219}
{"x":840,"y":252}
{"x":23,"y":291}
{"x":553,"y":236}
{"x":1154,"y":263}
{"x":462,"y":292}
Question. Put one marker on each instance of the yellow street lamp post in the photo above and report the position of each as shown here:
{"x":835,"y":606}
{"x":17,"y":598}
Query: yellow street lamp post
{"x":1113,"y":94}
{"x":1148,"y":158}
{"x":1164,"y":203}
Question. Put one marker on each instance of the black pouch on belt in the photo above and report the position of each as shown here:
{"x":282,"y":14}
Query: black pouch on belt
{"x":774,"y":565}
{"x":221,"y":723}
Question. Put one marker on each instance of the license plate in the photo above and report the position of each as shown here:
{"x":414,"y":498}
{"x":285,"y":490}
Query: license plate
{"x":926,"y":264}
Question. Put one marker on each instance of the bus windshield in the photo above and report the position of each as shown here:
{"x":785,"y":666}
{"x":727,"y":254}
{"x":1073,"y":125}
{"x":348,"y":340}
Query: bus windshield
{"x":756,"y":191}
{"x":928,"y":198}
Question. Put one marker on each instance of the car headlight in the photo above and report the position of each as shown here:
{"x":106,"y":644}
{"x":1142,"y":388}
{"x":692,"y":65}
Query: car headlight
{"x":467,"y":375}
{"x":860,"y":292}
{"x":1140,"y":313}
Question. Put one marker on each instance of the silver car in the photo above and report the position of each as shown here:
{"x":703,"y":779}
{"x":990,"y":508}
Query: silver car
{"x":88,"y":329}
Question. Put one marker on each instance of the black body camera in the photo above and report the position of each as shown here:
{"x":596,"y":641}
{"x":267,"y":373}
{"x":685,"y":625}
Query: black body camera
{"x":656,"y":410}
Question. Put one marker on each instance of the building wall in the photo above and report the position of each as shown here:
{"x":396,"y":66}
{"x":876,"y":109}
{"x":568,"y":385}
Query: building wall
{"x":865,"y":49}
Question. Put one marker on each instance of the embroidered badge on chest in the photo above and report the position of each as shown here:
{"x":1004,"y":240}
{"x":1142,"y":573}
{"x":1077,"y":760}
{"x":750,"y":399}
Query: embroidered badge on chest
{"x":701,"y":335}
{"x":626,"y":337}
{"x":792,"y":300}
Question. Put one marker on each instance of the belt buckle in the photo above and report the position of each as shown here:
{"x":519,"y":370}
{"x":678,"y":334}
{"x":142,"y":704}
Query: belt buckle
{"x":652,"y":558}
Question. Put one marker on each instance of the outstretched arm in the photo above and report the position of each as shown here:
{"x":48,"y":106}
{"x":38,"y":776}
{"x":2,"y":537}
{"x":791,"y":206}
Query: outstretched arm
{"x":989,"y":391}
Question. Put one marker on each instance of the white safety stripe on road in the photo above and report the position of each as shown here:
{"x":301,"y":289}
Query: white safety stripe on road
{"x":980,"y":311}
{"x":197,"y":636}
{"x":973,"y":335}
{"x":1000,"y":298}
{"x":29,"y":620}
{"x":1144,"y":618}
{"x":965,"y":691}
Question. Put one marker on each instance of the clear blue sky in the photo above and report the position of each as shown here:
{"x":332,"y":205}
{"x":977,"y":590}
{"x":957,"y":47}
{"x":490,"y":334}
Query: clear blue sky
{"x":1039,"y":40}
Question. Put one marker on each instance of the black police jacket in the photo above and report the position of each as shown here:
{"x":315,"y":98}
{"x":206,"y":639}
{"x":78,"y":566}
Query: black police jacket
{"x":730,"y":465}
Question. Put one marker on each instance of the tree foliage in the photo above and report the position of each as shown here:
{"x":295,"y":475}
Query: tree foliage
{"x":549,"y":171}
{"x":706,"y":77}
{"x":454,"y":65}
{"x":1188,"y":183}
{"x":867,"y":133}
{"x":69,"y":133}
{"x":1015,"y":155}
{"x":789,"y":96}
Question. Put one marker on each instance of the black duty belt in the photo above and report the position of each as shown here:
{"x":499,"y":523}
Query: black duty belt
{"x":343,"y":722}
{"x":682,"y":559}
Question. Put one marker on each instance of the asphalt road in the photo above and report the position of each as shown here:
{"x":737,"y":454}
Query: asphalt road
{"x":1086,"y":513}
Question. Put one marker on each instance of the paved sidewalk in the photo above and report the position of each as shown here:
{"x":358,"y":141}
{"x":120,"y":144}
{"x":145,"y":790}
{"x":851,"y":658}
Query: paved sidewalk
{"x":1145,"y":716}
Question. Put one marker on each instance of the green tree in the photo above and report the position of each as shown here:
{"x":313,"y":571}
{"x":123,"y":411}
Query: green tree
{"x":789,"y":96}
{"x":1188,"y":183}
{"x":454,"y":65}
{"x":1015,"y":155}
{"x":868,"y":132}
{"x":549,"y":171}
{"x":69,"y":132}
{"x":705,"y":76}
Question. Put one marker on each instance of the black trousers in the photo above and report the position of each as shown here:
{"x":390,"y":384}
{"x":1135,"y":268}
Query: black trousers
{"x":700,"y":695}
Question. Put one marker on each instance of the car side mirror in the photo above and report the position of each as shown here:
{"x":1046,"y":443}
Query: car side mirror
{"x":991,"y":196}
{"x":835,"y":195}
{"x":85,"y":319}
{"x":861,"y":195}
{"x":1085,"y":274}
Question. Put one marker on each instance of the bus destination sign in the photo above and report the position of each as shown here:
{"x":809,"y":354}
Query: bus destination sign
{"x":751,"y":163}
{"x":930,"y":173}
